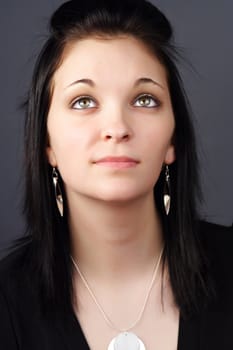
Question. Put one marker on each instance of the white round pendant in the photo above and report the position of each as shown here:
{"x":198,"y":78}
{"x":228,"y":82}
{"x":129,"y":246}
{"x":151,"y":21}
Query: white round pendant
{"x":126,"y":341}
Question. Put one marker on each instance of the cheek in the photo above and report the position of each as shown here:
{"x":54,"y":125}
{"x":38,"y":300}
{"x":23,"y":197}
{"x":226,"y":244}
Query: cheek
{"x":70,"y":153}
{"x":68,"y":142}
{"x":158,"y":142}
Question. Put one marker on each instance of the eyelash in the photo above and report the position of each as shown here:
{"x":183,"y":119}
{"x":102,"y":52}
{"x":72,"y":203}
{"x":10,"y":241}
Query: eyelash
{"x":82,"y":98}
{"x":149,"y":97}
{"x":146,"y":96}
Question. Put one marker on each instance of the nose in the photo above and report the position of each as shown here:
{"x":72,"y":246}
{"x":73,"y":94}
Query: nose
{"x":117,"y":130}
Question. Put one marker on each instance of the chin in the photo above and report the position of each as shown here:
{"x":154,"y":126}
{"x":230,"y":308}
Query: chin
{"x":122,"y":197}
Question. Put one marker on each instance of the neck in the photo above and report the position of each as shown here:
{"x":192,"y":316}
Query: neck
{"x":112,"y":239}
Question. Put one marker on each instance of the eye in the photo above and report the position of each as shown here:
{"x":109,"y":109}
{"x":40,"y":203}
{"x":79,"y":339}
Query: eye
{"x":83,"y":102}
{"x":147,"y":101}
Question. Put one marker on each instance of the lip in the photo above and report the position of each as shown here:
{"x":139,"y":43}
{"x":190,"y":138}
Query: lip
{"x":120,"y":162}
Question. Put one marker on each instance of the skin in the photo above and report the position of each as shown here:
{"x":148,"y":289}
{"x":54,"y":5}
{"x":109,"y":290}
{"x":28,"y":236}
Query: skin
{"x":115,"y":228}
{"x":113,"y":126}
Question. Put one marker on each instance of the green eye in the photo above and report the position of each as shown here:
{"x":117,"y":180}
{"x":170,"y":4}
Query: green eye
{"x":83,"y":102}
{"x":147,"y":101}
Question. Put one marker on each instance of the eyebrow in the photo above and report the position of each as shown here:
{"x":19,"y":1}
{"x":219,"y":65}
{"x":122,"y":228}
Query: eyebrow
{"x":138,"y":82}
{"x":144,"y":80}
{"x":84,"y":81}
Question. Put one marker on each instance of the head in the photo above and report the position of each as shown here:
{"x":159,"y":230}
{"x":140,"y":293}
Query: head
{"x":79,"y":27}
{"x":71,"y":24}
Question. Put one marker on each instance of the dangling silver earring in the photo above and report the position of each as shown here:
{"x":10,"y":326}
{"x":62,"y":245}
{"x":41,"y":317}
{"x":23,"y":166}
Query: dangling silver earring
{"x":167,"y":192}
{"x":58,"y":193}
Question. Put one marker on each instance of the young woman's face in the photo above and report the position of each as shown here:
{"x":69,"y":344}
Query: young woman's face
{"x":111,"y":121}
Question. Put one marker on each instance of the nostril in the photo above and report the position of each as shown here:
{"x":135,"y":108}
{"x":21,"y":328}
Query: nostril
{"x":117,"y":135}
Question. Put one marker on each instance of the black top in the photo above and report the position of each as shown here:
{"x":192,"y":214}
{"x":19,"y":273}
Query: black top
{"x":22,"y":326}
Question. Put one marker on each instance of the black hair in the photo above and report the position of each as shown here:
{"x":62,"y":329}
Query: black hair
{"x":49,"y":232}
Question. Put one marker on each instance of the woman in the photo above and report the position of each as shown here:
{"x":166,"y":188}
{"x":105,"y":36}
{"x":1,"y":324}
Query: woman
{"x":115,"y":256}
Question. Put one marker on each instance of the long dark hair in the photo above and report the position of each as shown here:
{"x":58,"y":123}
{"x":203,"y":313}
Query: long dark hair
{"x":49,"y":233}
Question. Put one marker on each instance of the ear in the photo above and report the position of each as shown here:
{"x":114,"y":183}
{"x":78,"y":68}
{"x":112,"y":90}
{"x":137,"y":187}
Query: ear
{"x":51,"y":156}
{"x":170,"y":155}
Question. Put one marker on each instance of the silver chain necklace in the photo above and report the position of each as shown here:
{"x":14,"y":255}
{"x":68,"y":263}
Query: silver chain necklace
{"x":125,"y":340}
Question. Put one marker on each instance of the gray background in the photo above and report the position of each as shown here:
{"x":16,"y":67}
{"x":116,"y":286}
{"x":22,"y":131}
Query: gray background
{"x":203,"y":30}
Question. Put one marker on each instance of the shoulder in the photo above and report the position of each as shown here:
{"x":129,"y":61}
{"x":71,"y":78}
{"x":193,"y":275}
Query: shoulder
{"x":14,"y":266}
{"x":15,"y":296}
{"x":216,"y":239}
{"x":217,"y":242}
{"x":16,"y":286}
{"x":208,"y":228}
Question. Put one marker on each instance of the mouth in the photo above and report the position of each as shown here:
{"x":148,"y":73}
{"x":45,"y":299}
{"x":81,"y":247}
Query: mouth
{"x":122,"y":162}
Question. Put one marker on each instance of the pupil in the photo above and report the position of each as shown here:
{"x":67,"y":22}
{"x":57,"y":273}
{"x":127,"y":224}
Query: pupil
{"x":144,"y":101}
{"x":84,"y":102}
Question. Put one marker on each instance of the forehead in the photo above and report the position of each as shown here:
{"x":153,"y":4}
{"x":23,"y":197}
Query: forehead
{"x":108,"y":59}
